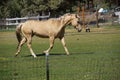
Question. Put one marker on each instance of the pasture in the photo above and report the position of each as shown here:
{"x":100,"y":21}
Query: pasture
{"x":93,"y":56}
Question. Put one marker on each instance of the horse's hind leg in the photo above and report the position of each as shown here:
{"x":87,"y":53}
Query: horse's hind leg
{"x":29,"y":40}
{"x":20,"y":45}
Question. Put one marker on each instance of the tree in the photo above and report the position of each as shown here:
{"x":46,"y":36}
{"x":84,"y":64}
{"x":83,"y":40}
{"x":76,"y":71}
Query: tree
{"x":3,"y":9}
{"x":23,"y":7}
{"x":36,"y":6}
{"x":54,"y":4}
{"x":14,"y":8}
{"x":20,"y":8}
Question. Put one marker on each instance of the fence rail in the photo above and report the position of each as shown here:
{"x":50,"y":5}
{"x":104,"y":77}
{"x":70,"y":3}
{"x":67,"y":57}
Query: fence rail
{"x":16,"y":21}
{"x":8,"y":23}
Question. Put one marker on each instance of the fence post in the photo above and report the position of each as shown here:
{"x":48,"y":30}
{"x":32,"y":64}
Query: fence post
{"x":83,"y":16}
{"x":47,"y":66}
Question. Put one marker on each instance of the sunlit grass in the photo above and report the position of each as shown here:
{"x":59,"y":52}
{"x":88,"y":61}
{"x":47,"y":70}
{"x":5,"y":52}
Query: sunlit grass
{"x":93,"y":56}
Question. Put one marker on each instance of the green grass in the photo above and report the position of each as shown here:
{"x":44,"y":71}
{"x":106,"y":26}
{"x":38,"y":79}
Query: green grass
{"x":93,"y":56}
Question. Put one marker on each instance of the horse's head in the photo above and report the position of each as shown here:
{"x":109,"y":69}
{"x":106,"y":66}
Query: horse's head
{"x":72,"y":19}
{"x":75,"y":22}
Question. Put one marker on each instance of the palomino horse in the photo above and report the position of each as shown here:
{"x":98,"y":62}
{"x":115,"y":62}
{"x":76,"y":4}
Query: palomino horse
{"x":51,"y":28}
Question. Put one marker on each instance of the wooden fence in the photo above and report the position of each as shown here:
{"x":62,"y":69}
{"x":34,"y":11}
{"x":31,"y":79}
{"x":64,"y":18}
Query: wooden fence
{"x":16,"y":21}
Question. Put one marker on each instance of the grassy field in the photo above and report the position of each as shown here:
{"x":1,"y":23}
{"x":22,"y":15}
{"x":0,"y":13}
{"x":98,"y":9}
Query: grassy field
{"x":93,"y":56}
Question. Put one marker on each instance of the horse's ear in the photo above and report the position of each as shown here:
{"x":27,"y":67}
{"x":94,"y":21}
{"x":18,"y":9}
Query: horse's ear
{"x":66,"y":14}
{"x":77,"y":16}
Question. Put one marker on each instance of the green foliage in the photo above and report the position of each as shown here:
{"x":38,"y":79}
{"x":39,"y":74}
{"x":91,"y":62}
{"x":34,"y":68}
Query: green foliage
{"x":19,"y":8}
{"x":4,"y":12}
{"x":54,"y":4}
{"x":102,"y":3}
{"x":14,"y":8}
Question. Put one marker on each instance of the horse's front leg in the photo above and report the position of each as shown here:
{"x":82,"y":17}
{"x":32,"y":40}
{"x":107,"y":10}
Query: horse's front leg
{"x":51,"y":39}
{"x":64,"y":45}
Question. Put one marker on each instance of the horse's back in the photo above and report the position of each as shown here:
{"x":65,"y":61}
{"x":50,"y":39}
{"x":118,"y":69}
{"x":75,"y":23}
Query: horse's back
{"x":39,"y":28}
{"x":42,"y":28}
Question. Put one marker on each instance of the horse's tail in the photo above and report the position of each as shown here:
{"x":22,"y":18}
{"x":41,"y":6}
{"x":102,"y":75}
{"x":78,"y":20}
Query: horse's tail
{"x":18,"y":33}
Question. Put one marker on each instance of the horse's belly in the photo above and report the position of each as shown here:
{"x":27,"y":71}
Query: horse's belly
{"x":40,"y":34}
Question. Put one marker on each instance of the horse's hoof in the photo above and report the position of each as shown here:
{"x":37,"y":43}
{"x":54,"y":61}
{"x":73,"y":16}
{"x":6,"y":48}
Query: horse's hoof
{"x":34,"y":56}
{"x":47,"y":54}
{"x":68,"y":54}
{"x":15,"y":55}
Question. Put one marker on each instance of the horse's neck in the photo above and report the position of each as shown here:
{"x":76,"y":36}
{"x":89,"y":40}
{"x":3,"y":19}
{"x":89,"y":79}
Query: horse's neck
{"x":64,"y":23}
{"x":67,"y":22}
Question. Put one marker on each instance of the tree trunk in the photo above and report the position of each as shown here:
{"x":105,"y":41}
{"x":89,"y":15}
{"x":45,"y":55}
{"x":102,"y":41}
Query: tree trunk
{"x":97,"y":23}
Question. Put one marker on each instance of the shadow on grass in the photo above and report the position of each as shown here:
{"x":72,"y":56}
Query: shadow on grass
{"x":61,"y":54}
{"x":82,"y":53}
